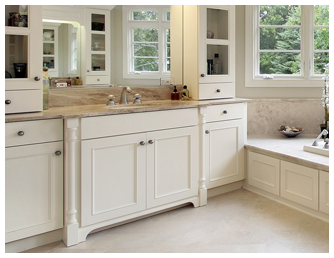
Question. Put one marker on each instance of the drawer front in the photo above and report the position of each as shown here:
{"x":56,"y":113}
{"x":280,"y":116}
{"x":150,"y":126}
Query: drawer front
{"x":216,"y":90}
{"x":34,"y":132}
{"x":97,"y":79}
{"x":225,"y":112}
{"x":22,"y":101}
{"x":102,"y":126}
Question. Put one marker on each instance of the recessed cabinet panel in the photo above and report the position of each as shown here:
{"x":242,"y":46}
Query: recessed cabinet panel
{"x":324,"y":191}
{"x":263,"y":172}
{"x":299,"y":184}
{"x":113,"y":177}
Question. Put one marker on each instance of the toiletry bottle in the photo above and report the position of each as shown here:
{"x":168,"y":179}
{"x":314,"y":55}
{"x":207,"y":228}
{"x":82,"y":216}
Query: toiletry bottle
{"x":185,"y":93}
{"x":175,"y":95}
{"x":46,"y":85}
{"x":69,"y":82}
{"x":217,"y":67}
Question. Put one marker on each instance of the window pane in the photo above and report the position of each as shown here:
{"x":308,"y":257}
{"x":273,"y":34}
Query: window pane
{"x":279,"y":63}
{"x":321,"y":38}
{"x":280,"y":15}
{"x":168,"y":35}
{"x":280,"y":38}
{"x":167,"y":16}
{"x":320,"y":59}
{"x":145,"y":15}
{"x":168,"y":64}
{"x":321,"y":15}
{"x":145,"y":35}
{"x":168,"y":50}
{"x":146,"y":64}
{"x":146,"y":49}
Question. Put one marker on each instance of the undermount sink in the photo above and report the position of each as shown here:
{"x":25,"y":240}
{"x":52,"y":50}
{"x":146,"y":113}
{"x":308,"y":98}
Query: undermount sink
{"x":317,"y":150}
{"x":128,"y":106}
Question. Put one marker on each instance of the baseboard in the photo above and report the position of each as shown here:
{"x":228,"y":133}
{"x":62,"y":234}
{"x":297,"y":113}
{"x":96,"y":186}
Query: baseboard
{"x":34,"y":241}
{"x":225,"y":188}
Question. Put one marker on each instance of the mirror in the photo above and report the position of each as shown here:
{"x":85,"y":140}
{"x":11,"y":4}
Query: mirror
{"x":56,"y":16}
{"x":61,"y":48}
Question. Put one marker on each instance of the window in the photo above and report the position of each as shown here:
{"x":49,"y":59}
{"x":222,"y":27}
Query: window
{"x":146,"y":38}
{"x":286,"y":44}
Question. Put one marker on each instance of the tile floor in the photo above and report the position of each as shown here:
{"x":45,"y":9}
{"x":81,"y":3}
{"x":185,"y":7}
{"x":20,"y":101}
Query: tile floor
{"x":236,"y":222}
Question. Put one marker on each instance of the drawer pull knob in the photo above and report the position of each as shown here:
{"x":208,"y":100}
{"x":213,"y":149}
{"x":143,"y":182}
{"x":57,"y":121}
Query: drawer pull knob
{"x":218,"y":90}
{"x":142,"y":143}
{"x":202,"y":75}
{"x":37,"y":78}
{"x":207,"y":131}
{"x":225,"y":112}
{"x":8,"y":101}
{"x":20,"y":133}
{"x":58,"y":153}
{"x":150,"y":141}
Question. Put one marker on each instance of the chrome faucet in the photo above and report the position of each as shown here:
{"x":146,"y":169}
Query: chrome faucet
{"x":123,"y":99}
{"x":324,"y":132}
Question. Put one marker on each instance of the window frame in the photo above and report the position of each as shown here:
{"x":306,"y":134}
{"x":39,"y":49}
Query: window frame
{"x":128,"y":56}
{"x":306,"y":77}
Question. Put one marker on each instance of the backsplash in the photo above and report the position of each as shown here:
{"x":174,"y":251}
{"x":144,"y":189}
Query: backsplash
{"x":265,"y":116}
{"x":74,"y":96}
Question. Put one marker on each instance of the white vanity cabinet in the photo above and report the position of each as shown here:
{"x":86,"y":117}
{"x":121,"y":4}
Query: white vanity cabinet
{"x":324,"y":191}
{"x":23,"y":58}
{"x":209,"y":37}
{"x":34,"y":178}
{"x":135,"y":168}
{"x":97,"y":47}
{"x":224,"y":144}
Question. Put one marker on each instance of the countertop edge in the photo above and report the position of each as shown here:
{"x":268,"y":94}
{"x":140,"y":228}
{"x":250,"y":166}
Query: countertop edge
{"x":65,"y":112}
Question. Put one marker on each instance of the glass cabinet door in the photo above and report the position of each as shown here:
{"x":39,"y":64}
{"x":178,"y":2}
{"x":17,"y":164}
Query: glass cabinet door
{"x":98,"y":55}
{"x":16,"y":15}
{"x":16,"y":56}
{"x":49,"y":48}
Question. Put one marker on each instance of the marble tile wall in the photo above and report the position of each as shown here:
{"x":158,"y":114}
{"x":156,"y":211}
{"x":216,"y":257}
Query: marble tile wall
{"x":77,"y":95}
{"x":265,"y":116}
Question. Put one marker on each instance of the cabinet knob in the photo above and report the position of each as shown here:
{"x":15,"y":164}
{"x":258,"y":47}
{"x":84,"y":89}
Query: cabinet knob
{"x":207,"y":131}
{"x":150,"y":141}
{"x":98,"y":80}
{"x":225,"y":112}
{"x":218,"y":90}
{"x":87,"y":71}
{"x":142,"y":143}
{"x":37,"y":78}
{"x":58,"y":152}
{"x":8,"y":101}
{"x":20,"y":133}
{"x":202,"y":75}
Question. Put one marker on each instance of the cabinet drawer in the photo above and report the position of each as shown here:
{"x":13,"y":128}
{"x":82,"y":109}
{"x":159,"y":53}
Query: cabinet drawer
{"x":216,"y":90}
{"x":102,"y":126}
{"x":23,"y":101}
{"x":34,"y":132}
{"x":225,"y":112}
{"x":97,"y":79}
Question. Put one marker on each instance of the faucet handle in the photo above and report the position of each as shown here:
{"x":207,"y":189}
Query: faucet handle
{"x":111,"y":97}
{"x":137,"y":100}
{"x":111,"y":100}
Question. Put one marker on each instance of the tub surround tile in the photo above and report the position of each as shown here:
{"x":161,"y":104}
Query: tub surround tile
{"x":265,"y":116}
{"x":289,"y":149}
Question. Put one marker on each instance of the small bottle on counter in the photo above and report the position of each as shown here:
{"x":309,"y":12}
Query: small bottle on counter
{"x":175,"y":95}
{"x":78,"y":81}
{"x":69,"y":82}
{"x":46,"y":85}
{"x":185,"y":93}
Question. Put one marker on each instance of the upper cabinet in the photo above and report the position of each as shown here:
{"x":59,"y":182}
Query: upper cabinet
{"x":209,"y":52}
{"x":97,"y":26}
{"x":23,"y":55}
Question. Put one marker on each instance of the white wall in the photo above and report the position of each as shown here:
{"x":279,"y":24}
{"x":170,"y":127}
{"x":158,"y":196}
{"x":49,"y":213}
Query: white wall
{"x":242,"y":91}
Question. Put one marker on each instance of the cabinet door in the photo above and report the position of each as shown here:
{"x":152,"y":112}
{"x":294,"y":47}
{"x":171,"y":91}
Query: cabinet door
{"x":224,"y":152}
{"x":263,"y":172}
{"x":216,"y":44}
{"x":113,"y":180}
{"x":299,"y":184}
{"x":23,"y":47}
{"x":324,"y":191}
{"x":172,"y":165}
{"x":97,"y":42}
{"x":34,"y":189}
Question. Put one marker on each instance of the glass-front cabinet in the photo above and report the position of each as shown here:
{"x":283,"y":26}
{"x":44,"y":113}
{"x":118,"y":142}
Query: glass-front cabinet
{"x":216,"y":39}
{"x":50,"y":49}
{"x":23,"y":55}
{"x":97,"y":46}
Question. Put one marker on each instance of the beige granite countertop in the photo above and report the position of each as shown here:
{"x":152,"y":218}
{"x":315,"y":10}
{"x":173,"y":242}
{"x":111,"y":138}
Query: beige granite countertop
{"x":288,"y":149}
{"x":102,"y":110}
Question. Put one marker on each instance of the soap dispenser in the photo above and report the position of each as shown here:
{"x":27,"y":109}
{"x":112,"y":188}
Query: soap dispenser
{"x":175,"y":95}
{"x":185,"y":93}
